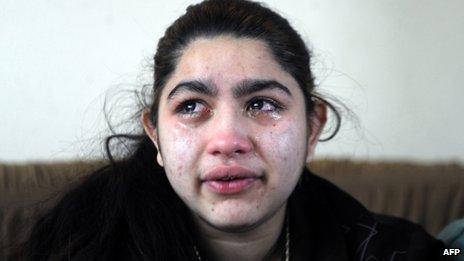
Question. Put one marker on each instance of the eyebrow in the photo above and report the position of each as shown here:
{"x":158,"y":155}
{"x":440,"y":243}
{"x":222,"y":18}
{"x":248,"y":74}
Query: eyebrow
{"x":244,"y":88}
{"x":248,"y":87}
{"x":193,"y":86}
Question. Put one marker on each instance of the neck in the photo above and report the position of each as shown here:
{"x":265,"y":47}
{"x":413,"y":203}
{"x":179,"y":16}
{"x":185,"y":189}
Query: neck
{"x":259,"y":243}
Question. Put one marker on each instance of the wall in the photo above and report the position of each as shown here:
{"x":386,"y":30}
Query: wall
{"x":398,"y":65}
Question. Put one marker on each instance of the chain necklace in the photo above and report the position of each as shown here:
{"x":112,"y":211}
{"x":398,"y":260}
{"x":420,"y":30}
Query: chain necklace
{"x":287,"y":244}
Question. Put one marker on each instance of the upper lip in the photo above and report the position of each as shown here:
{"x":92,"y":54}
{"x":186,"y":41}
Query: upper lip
{"x":229,"y":172}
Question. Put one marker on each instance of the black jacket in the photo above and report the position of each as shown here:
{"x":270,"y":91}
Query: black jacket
{"x":328,"y":224}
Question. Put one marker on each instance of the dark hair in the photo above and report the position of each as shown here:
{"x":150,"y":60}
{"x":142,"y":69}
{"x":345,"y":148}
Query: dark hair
{"x":128,"y":209}
{"x":240,"y":19}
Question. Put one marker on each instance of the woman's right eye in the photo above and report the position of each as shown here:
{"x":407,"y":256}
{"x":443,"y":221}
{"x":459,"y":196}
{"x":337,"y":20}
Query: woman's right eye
{"x":191,"y":108}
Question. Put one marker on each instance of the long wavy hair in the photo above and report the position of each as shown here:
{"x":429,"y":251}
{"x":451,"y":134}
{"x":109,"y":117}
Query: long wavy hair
{"x":128,"y":210}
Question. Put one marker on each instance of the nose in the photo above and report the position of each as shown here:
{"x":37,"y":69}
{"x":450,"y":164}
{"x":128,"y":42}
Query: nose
{"x":228,"y":137}
{"x":228,"y":145}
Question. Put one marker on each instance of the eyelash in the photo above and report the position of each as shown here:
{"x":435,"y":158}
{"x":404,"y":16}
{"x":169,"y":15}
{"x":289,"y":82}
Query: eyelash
{"x":181,"y":108}
{"x":277,"y":107}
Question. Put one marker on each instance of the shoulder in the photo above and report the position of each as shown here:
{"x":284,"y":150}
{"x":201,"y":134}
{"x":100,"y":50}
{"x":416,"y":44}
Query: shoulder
{"x":368,"y":235}
{"x":382,"y":236}
{"x":82,"y":222}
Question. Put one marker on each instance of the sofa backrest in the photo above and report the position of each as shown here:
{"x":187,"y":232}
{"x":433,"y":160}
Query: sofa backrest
{"x":430,"y":195}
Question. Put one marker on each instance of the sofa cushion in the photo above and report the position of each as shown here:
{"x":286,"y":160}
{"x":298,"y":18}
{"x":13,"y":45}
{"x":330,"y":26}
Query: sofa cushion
{"x":430,"y":195}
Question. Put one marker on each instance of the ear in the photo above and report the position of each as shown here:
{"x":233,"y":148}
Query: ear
{"x":151,"y":132}
{"x":316,"y":125}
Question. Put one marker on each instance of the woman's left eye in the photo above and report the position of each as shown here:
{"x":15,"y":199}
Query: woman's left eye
{"x":263,"y":105}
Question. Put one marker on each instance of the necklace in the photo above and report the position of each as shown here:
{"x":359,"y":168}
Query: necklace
{"x":287,"y":243}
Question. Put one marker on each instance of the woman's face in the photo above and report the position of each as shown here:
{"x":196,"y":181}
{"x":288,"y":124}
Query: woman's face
{"x":232,"y":132}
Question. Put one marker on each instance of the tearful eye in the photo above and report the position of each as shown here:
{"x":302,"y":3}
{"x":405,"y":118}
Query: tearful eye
{"x":261,"y":105}
{"x":191,"y":108}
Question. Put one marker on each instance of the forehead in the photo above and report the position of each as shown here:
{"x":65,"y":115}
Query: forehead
{"x":227,"y":60}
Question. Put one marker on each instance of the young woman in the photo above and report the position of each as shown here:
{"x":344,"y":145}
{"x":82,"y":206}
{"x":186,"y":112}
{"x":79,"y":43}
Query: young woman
{"x":220,"y":171}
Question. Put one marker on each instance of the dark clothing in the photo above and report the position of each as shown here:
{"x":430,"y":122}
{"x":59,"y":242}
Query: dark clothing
{"x":328,"y":224}
{"x":112,"y":216}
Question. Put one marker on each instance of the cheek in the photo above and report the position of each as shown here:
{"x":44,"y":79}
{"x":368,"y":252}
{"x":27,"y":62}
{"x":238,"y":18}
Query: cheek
{"x":179,"y":150}
{"x":179,"y":156}
{"x":285,"y":144}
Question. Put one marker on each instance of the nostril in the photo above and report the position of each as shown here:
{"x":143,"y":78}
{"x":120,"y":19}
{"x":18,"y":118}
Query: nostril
{"x":229,"y":152}
{"x":229,"y":145}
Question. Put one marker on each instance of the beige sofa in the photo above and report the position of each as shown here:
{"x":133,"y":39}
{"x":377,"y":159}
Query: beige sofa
{"x":431,"y":195}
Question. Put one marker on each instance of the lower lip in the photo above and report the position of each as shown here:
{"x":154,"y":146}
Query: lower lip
{"x":231,"y":186}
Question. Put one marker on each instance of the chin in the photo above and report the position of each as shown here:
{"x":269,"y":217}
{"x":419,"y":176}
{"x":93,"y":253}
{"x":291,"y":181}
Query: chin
{"x":233,"y":226}
{"x":234,"y":220}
